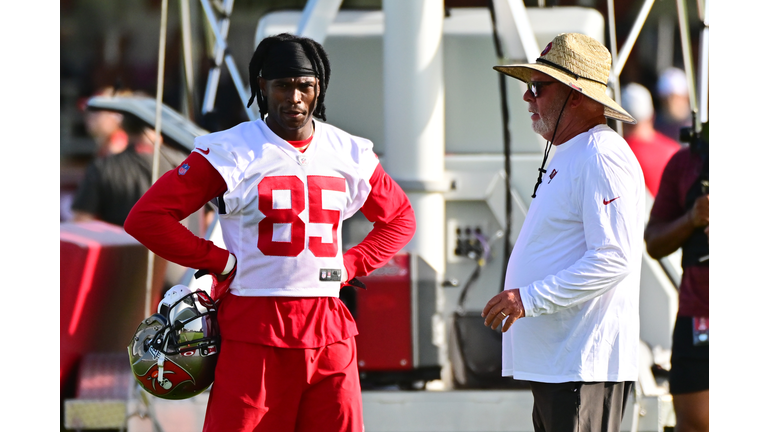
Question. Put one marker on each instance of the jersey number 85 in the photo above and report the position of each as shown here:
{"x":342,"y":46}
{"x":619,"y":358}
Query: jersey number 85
{"x":317,"y":214}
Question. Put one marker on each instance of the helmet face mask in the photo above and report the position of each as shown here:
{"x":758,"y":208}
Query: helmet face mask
{"x":173,"y":353}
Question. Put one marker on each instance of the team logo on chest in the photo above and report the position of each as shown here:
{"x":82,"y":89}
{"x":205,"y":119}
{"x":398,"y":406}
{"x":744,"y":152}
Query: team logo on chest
{"x":551,"y":176}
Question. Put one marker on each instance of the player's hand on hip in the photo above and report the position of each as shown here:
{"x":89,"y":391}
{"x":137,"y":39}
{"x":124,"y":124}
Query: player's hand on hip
{"x":504,"y":305}
{"x":221,"y":282}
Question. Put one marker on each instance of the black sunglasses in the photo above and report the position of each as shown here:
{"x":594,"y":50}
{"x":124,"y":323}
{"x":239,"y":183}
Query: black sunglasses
{"x":535,"y":87}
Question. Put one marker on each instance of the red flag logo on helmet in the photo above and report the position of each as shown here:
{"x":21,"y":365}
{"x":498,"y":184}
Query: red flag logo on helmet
{"x":204,"y":299}
{"x":173,"y":376}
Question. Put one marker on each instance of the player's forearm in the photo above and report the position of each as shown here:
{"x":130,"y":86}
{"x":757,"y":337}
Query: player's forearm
{"x":154,"y":220}
{"x":166,"y":237}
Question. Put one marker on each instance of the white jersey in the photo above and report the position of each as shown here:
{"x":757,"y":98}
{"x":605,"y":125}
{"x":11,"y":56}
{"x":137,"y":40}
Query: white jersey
{"x":577,"y":263}
{"x":284,"y":208}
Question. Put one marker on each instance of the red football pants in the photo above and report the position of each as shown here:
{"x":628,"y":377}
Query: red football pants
{"x":264,"y":388}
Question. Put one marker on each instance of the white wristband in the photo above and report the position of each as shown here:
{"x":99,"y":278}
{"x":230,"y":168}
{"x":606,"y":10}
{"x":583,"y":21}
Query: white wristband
{"x":230,"y":264}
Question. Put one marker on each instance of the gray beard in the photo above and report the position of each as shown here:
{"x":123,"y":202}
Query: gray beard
{"x":542,"y":126}
{"x":548,"y":119}
{"x":545,"y":125}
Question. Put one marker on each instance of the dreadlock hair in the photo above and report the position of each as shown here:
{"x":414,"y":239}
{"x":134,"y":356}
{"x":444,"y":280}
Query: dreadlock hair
{"x":314,"y":51}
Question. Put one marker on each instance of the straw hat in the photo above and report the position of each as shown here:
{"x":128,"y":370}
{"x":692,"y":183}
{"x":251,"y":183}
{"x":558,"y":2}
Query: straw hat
{"x":578,"y":61}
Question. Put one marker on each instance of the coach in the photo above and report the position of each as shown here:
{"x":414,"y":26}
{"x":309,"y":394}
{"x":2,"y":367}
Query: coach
{"x":573,"y":278}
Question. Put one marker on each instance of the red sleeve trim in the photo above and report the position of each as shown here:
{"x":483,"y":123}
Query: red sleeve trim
{"x":154,"y":220}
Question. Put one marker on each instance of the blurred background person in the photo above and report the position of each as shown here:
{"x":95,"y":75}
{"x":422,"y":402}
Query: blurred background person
{"x":113,"y":184}
{"x":680,"y":219}
{"x":652,"y":148}
{"x":674,"y":105}
{"x":105,"y":127}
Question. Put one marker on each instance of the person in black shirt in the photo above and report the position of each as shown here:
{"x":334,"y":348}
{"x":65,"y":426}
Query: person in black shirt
{"x":112,"y":185}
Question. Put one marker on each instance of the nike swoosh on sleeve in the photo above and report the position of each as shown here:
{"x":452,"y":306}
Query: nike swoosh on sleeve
{"x":606,"y":202}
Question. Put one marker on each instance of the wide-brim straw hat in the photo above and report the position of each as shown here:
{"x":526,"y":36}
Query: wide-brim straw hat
{"x":578,"y":61}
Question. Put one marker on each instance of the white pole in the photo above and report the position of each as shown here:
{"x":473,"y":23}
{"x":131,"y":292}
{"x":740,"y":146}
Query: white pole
{"x":218,"y":29}
{"x":316,"y":18}
{"x":414,"y":117}
{"x":704,"y":68}
{"x":512,"y":16}
{"x":615,"y":82}
{"x":629,"y":43}
{"x":186,"y":44}
{"x":685,"y":38}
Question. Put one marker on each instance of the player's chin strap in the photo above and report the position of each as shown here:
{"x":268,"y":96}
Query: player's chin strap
{"x":549,"y":147}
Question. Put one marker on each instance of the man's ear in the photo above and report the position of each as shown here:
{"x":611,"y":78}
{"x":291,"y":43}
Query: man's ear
{"x":577,"y":98}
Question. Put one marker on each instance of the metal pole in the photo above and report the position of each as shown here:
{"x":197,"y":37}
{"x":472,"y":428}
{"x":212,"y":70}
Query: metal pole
{"x":317,"y":17}
{"x":685,"y":39}
{"x":665,"y":45}
{"x":615,"y":81}
{"x":621,"y":60}
{"x":511,"y":16}
{"x":232,"y":68}
{"x":704,"y":67}
{"x":221,"y":48}
{"x":507,"y":146}
{"x":159,"y":92}
{"x":158,"y":131}
{"x":701,"y":6}
{"x":222,"y":29}
{"x":186,"y":41}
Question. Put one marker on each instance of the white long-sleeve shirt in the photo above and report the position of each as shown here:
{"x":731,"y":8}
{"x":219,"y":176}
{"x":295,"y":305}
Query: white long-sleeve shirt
{"x":577,"y":265}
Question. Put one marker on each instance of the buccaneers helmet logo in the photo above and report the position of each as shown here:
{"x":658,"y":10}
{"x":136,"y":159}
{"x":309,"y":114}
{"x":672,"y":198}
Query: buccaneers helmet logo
{"x":173,"y":376}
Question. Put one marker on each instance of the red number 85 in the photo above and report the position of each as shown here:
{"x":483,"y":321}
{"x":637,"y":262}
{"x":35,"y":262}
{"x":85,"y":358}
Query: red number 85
{"x":272,"y":216}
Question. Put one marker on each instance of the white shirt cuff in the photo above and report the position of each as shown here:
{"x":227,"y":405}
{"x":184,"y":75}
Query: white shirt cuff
{"x":230,"y":264}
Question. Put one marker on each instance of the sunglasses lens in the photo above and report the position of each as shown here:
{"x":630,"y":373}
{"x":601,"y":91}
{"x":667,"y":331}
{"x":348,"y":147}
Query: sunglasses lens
{"x":533,"y":88}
